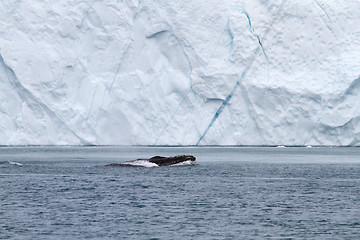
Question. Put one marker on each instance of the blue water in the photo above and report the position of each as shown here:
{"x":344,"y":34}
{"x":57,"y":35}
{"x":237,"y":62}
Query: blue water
{"x":231,"y":193}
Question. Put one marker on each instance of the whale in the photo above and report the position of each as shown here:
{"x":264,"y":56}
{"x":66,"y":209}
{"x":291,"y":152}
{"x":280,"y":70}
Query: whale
{"x":156,"y":161}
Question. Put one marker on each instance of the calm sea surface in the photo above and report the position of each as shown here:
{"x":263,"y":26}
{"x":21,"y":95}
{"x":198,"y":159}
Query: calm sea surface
{"x":231,"y":193}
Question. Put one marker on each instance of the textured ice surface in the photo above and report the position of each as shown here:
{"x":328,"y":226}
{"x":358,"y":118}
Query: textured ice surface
{"x":180,"y":72}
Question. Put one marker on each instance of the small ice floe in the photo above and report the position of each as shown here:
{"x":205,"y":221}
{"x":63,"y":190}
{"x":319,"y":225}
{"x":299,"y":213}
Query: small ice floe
{"x":281,"y":146}
{"x":308,"y":146}
{"x":15,"y":163}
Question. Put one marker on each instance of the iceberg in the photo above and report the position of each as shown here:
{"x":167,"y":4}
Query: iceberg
{"x":179,"y":73}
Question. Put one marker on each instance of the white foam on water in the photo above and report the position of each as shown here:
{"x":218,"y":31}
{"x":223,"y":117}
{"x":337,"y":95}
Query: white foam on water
{"x":15,"y":163}
{"x":189,"y":162}
{"x":141,"y":163}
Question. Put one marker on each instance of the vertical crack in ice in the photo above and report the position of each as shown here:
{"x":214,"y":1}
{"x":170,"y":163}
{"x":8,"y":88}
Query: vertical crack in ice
{"x":91,"y":105}
{"x":230,"y":35}
{"x":220,"y":109}
{"x":30,"y":98}
{"x":259,"y":40}
{"x":253,"y":33}
{"x":118,"y":68}
{"x":183,"y":47}
{"x":322,"y":8}
{"x":238,"y":83}
{"x":252,"y":111}
{"x":323,"y":18}
{"x":190,"y":73}
{"x":114,"y":78}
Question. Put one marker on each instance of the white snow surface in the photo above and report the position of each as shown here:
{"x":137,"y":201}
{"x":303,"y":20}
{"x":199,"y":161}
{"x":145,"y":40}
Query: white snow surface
{"x":180,"y":72}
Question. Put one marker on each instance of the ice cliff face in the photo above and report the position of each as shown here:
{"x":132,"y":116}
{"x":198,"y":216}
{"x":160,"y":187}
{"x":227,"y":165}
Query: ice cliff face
{"x":180,"y":72}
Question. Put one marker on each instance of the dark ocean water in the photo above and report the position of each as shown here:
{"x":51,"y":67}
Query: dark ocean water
{"x":231,"y":193}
